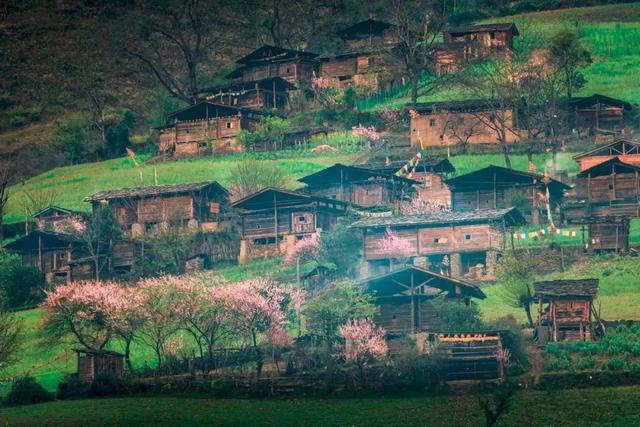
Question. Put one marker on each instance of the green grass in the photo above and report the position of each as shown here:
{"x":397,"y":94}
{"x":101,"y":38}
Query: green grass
{"x":72,"y":184}
{"x":618,"y":294}
{"x":611,"y":33}
{"x":584,"y":407}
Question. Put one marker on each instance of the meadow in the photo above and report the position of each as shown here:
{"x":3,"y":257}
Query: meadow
{"x":584,"y":407}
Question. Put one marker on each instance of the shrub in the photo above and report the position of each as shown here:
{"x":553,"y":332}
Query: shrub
{"x":614,"y":364}
{"x":558,"y":364}
{"x":21,"y":285}
{"x":108,"y":385}
{"x":588,"y":362}
{"x":71,"y":386}
{"x":22,"y":116}
{"x":5,"y":101}
{"x":456,"y":315}
{"x":551,"y":349}
{"x":512,"y":341}
{"x":27,"y":390}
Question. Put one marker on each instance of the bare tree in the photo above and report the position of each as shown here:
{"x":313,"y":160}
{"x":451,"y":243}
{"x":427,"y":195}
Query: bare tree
{"x":175,"y":41}
{"x":9,"y":175}
{"x":250,"y":176}
{"x":461,"y":129}
{"x":417,"y":29}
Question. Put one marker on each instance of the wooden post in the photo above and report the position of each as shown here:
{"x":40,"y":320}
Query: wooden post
{"x":274,"y":94}
{"x":40,"y":262}
{"x":495,"y":193}
{"x":275,"y":215}
{"x":413,"y":305}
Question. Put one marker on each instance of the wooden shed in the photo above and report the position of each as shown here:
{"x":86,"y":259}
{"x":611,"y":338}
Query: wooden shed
{"x":193,"y":206}
{"x":207,"y":128}
{"x":451,"y":242}
{"x":610,"y":188}
{"x":565,"y":309}
{"x":449,"y":123}
{"x":59,"y":220}
{"x":93,"y":363}
{"x":472,"y":355}
{"x":272,"y":220}
{"x":269,"y":93}
{"x":368,"y":33}
{"x":496,"y":187}
{"x":294,"y":66}
{"x":403,"y":298}
{"x":627,"y":150}
{"x":605,"y":233}
{"x":359,"y":186}
{"x":599,"y":112}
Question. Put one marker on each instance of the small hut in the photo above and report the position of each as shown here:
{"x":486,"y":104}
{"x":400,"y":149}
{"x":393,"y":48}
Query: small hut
{"x":605,"y":233}
{"x":93,"y":363}
{"x":565,"y":309}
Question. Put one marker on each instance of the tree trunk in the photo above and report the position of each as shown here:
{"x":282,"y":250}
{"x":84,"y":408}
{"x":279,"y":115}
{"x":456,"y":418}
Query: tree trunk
{"x":414,"y":89}
{"x":505,"y":152}
{"x":127,"y":354}
{"x":527,"y":310}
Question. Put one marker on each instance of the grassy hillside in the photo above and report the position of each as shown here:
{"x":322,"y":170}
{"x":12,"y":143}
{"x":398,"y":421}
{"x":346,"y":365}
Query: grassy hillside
{"x":73,"y":183}
{"x":611,"y":33}
{"x":584,"y":407}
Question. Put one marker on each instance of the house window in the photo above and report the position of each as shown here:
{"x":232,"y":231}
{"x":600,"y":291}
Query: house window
{"x":492,"y":35}
{"x":432,"y":122}
{"x":229,"y":125}
{"x":610,"y":186}
{"x":288,"y":70}
{"x":436,"y":240}
{"x":467,"y":237}
{"x":301,"y":219}
{"x":371,"y":60}
{"x":264,"y":241}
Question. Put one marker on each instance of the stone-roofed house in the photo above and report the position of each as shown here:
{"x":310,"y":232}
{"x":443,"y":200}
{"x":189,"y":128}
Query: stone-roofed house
{"x":610,"y":188}
{"x":627,"y":150}
{"x":496,"y":187}
{"x":565,"y":309}
{"x":359,"y":186}
{"x":472,"y":42}
{"x":466,"y":239}
{"x":272,"y":220}
{"x":294,"y":66}
{"x":193,"y":206}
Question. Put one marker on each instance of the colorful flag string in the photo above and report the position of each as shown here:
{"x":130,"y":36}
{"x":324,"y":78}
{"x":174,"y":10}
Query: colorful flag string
{"x":544,"y":231}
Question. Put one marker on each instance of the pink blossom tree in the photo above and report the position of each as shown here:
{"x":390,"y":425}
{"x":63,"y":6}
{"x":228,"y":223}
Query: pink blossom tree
{"x":85,"y":310}
{"x":367,"y":133}
{"x":304,"y":250}
{"x":203,"y":312}
{"x":160,"y":320}
{"x":363,"y":342}
{"x":396,"y":248}
{"x":258,"y":309}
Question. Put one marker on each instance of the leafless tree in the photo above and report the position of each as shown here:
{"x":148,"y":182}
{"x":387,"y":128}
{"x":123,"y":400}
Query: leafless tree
{"x":417,"y":29}
{"x":9,"y":175}
{"x":250,"y":176}
{"x":461,"y":129}
{"x":175,"y":41}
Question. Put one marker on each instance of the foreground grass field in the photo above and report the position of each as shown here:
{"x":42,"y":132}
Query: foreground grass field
{"x":585,"y":407}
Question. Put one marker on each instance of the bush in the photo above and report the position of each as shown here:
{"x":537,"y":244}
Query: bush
{"x":588,"y":362}
{"x":21,"y":285}
{"x":108,"y":385}
{"x":5,"y":101}
{"x":513,"y":341}
{"x":456,"y":315}
{"x":71,"y":386}
{"x":22,"y":116}
{"x":614,"y":364}
{"x":27,"y":390}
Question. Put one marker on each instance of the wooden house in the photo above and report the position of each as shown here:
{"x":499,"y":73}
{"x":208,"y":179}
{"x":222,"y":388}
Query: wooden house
{"x":360,"y":187}
{"x":403,"y":298}
{"x":599,"y":113}
{"x":61,"y":257}
{"x":610,"y":188}
{"x":59,"y":220}
{"x":441,"y":124}
{"x":364,"y":60}
{"x":472,"y":42}
{"x":627,"y":150}
{"x":605,"y":233}
{"x":272,"y":220}
{"x":193,"y":206}
{"x":207,"y":128}
{"x":565,"y":309}
{"x":267,"y":94}
{"x":496,"y":187}
{"x":93,"y":363}
{"x":431,"y":174}
{"x":267,"y":61}
{"x":451,"y":242}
